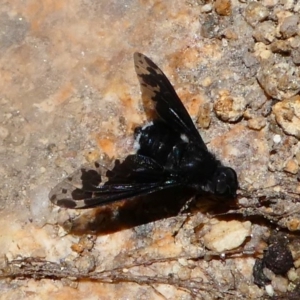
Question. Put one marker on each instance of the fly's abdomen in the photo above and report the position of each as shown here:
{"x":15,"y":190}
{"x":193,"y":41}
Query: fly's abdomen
{"x":156,"y":141}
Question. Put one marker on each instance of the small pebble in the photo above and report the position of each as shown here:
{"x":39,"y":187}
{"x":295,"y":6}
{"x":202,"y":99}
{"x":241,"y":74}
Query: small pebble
{"x":289,"y":27}
{"x":223,"y":7}
{"x":265,"y":32}
{"x":281,"y":46}
{"x":227,"y":235}
{"x":262,"y":51}
{"x":257,"y":123}
{"x":295,"y":42}
{"x":276,"y":138}
{"x":269,"y":290}
{"x":293,"y":225}
{"x":269,"y":3}
{"x":85,"y":264}
{"x":229,"y":108}
{"x":280,"y":284}
{"x":280,"y":80}
{"x":287,"y":114}
{"x":291,"y":166}
{"x":249,"y":60}
{"x":206,"y":8}
{"x":296,"y":56}
{"x":255,"y":13}
{"x":204,"y":118}
{"x":288,"y":4}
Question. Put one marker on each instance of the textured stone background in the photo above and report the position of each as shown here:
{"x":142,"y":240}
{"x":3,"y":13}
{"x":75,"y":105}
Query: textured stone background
{"x":69,"y":96}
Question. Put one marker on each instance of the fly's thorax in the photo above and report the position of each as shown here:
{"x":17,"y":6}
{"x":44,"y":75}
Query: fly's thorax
{"x":198,"y":165}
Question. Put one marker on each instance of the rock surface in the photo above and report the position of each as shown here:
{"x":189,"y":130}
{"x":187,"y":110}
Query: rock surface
{"x":69,"y":96}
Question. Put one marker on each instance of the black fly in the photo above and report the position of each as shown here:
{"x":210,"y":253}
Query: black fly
{"x":171,"y":153}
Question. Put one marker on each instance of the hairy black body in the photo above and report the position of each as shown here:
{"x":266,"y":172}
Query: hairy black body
{"x":171,"y":153}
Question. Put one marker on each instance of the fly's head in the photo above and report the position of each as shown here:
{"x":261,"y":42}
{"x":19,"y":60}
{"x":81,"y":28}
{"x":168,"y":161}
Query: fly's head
{"x":224,"y":182}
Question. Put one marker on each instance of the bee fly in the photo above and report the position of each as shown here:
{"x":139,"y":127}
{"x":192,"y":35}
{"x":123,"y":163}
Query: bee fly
{"x":170,"y":154}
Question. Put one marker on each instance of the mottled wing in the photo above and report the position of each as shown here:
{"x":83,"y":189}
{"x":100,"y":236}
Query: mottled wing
{"x":83,"y":181}
{"x":87,"y":188}
{"x":156,"y":86}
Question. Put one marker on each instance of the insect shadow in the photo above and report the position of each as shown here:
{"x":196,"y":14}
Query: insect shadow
{"x":142,"y":210}
{"x":130,"y":213}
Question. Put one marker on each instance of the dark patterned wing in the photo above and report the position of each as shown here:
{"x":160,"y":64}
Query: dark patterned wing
{"x":135,"y":176}
{"x":156,"y":86}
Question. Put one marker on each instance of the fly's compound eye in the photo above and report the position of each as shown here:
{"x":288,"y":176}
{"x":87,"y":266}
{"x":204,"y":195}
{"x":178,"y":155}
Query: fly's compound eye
{"x":225,"y":182}
{"x":221,"y":184}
